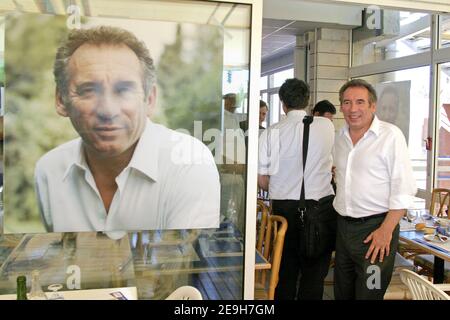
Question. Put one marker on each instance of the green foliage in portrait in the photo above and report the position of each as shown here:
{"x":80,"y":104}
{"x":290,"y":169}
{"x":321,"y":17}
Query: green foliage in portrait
{"x":32,"y":126}
{"x":190,"y":76}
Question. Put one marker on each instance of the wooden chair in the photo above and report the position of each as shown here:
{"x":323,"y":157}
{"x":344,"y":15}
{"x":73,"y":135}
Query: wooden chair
{"x":422,"y":289}
{"x":441,"y":198}
{"x":272,"y":251}
{"x":261,"y":224}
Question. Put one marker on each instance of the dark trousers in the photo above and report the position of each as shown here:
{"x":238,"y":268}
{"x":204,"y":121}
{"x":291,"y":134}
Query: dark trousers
{"x":293,"y":265}
{"x":354,"y":276}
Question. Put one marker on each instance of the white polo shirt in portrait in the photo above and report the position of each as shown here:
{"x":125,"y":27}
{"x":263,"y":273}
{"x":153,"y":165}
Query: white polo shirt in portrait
{"x":171,"y":182}
{"x":280,"y":157}
{"x":375,"y":175}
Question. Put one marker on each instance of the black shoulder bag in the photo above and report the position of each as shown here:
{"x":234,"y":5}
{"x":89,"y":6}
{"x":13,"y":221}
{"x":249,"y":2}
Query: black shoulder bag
{"x":317,"y":219}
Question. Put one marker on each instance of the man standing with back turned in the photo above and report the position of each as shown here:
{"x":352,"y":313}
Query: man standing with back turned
{"x":280,"y":170}
{"x":375,"y":186}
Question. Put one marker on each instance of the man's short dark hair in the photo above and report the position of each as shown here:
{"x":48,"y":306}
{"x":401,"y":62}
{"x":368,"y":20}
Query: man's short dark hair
{"x":358,"y":83}
{"x":103,"y":35}
{"x":294,"y":93}
{"x":263,"y":104}
{"x":324,"y":106}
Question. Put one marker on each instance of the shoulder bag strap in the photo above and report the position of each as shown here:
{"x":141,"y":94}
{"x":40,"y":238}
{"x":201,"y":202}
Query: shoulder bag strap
{"x":307,"y":120}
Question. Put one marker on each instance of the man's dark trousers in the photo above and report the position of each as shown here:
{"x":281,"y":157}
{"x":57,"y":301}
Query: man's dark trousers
{"x":355,"y":277}
{"x":312,"y":272}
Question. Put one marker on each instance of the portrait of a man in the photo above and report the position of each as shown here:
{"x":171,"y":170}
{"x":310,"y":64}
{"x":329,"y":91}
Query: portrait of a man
{"x":394,"y":103}
{"x":123,"y":171}
{"x":121,"y":174}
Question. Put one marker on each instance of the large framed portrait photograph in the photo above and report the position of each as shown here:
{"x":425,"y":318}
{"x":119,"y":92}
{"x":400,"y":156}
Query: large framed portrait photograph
{"x":393,"y":104}
{"x":99,"y":124}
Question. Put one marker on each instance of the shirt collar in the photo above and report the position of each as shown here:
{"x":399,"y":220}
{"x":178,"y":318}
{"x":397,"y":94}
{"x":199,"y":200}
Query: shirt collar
{"x":145,"y":156}
{"x":374,"y":127}
{"x":296,"y":113}
{"x":77,"y":159}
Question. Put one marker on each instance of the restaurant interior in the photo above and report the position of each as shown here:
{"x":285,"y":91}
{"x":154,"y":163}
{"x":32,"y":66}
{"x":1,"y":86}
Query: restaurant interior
{"x":203,"y":50}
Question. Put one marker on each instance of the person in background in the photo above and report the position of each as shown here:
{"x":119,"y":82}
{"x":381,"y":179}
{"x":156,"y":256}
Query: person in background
{"x":280,"y":171}
{"x":325,"y":109}
{"x":233,"y":167}
{"x":263,"y":110}
{"x":375,"y":186}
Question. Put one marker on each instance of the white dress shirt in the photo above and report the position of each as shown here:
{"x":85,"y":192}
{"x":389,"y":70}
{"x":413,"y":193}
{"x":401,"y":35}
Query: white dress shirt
{"x":171,"y":182}
{"x":280,"y":157}
{"x":374,"y":175}
{"x":233,"y":139}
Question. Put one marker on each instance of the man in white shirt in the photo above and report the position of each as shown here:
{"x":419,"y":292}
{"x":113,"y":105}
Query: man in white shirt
{"x":124,"y":172}
{"x":375,"y":186}
{"x":232,"y":169}
{"x":280,"y":170}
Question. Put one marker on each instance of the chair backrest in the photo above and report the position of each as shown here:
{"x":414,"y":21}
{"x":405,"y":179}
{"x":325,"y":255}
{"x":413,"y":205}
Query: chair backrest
{"x":185,"y":293}
{"x":440,"y":201}
{"x":421,"y":288}
{"x":273,"y":248}
{"x":261,"y":223}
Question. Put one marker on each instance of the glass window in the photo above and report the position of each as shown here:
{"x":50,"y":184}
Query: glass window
{"x":263,"y":83}
{"x":280,"y":77}
{"x":264,"y":97}
{"x":418,"y":203}
{"x":443,"y":151}
{"x":444,"y":28}
{"x":274,"y":108}
{"x":236,"y":81}
{"x":403,"y":99}
{"x":192,"y":79}
{"x":400,"y":34}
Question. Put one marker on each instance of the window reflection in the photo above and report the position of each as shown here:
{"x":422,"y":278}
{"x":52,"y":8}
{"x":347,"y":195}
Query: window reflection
{"x":401,"y":34}
{"x":141,"y":252}
{"x":443,"y":113}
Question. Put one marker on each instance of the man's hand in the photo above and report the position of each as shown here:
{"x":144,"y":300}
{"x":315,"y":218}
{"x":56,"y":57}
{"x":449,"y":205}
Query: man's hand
{"x":380,"y":246}
{"x":381,"y":238}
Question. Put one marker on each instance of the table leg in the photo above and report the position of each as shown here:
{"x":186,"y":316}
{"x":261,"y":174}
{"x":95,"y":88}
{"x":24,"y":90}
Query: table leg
{"x":438,"y":270}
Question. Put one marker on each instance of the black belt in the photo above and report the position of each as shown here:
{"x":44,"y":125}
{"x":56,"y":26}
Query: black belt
{"x":362,"y":219}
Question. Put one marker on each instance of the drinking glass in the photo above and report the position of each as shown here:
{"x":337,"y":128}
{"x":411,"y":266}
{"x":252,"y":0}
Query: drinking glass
{"x":411,"y":215}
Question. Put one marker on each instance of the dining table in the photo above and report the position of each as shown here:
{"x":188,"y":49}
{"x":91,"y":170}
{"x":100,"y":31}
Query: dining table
{"x":153,"y":262}
{"x":124,"y":293}
{"x":211,"y":260}
{"x":429,"y":245}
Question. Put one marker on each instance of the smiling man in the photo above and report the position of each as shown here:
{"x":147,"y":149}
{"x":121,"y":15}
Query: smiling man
{"x":375,"y":186}
{"x":124,"y":172}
